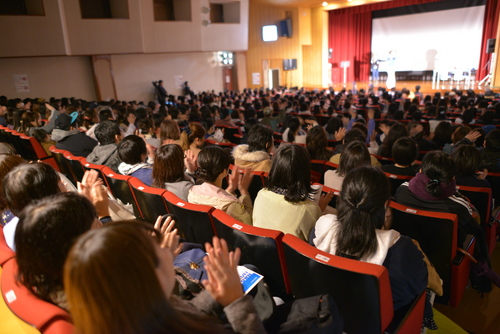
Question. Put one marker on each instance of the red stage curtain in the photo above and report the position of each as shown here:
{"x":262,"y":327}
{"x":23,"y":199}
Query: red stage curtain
{"x":490,"y":27}
{"x":350,"y":31}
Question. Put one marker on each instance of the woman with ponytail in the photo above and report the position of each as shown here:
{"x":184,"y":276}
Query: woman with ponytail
{"x":361,"y":231}
{"x":193,"y":138}
{"x":293,"y":133}
{"x":434,"y":189}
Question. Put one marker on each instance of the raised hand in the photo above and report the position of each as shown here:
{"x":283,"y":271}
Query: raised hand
{"x":170,"y":238}
{"x":223,"y":280}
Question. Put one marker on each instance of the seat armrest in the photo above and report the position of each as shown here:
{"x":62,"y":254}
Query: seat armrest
{"x":469,"y":241}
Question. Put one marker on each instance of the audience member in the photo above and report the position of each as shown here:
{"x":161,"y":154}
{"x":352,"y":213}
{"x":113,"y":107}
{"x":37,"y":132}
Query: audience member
{"x":255,"y":154}
{"x":46,"y":231}
{"x":69,"y":138}
{"x":317,"y":144}
{"x":213,"y":167}
{"x":361,"y":231}
{"x":153,"y":308}
{"x":285,"y":203}
{"x":169,"y":171}
{"x":106,"y":153}
{"x":133,"y":154}
{"x":355,"y":155}
{"x":404,"y":153}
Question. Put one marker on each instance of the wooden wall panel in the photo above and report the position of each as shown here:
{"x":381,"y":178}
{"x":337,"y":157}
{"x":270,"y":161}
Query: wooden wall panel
{"x":273,"y":52}
{"x":313,"y":54}
{"x":306,"y":45}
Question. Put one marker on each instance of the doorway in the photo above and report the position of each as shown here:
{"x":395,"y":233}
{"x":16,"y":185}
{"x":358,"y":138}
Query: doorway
{"x":274,"y":78}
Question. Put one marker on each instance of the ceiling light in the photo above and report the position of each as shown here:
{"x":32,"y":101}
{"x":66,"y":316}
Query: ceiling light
{"x":324,"y":4}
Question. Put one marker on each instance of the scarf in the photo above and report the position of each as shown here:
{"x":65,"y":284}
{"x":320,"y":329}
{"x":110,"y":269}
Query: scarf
{"x":418,"y":185}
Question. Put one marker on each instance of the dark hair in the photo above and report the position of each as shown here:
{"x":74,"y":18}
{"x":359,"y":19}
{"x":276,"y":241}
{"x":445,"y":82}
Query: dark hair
{"x":354,"y":135}
{"x":396,"y":131}
{"x":168,"y":165}
{"x":145,"y":125}
{"x":105,"y":114}
{"x":404,"y":151}
{"x":290,"y":171}
{"x":361,"y":210}
{"x":493,"y":140}
{"x":212,"y":161}
{"x":438,"y":167}
{"x":293,"y":126}
{"x":317,"y":143}
{"x":131,"y":150}
{"x":28,"y":182}
{"x":354,"y":155}
{"x":467,"y":160}
{"x":7,"y":163}
{"x":260,"y":138}
{"x":129,"y":247}
{"x":46,"y":231}
{"x":333,"y":125}
{"x":106,"y":131}
{"x":40,"y":135}
{"x":442,"y":134}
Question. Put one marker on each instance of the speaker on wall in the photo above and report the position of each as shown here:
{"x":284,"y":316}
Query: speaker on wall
{"x":286,"y":28}
{"x":490,"y":45}
{"x":289,"y":64}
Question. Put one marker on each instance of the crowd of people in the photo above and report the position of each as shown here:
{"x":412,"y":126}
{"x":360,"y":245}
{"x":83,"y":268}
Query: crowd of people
{"x":182,"y":145}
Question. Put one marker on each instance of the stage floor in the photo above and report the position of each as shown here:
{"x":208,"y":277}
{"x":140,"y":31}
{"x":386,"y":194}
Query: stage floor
{"x":426,"y":87}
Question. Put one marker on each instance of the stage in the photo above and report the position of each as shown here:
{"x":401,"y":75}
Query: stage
{"x":426,"y":87}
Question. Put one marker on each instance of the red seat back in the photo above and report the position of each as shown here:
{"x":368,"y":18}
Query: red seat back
{"x":259,"y":246}
{"x":361,"y":290}
{"x":194,"y":221}
{"x":46,"y":317}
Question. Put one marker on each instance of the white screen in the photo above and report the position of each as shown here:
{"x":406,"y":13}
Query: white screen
{"x":442,"y":40}
{"x":270,"y":33}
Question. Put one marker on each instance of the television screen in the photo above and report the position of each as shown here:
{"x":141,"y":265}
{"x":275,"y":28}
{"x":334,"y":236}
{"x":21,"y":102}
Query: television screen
{"x":270,"y":33}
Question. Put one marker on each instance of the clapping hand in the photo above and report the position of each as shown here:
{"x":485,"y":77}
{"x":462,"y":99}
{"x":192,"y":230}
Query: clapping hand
{"x":223,"y":280}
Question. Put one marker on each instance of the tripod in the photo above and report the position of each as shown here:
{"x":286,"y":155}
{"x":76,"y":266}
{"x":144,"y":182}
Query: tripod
{"x":487,"y":79}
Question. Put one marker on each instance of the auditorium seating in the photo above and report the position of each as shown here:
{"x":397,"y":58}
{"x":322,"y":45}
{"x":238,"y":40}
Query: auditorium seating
{"x":150,"y":200}
{"x":45,"y":317}
{"x":437,"y":234}
{"x":318,"y":171}
{"x":62,"y":164}
{"x":9,"y":322}
{"x":260,"y":247}
{"x":194,"y":221}
{"x":119,"y":187}
{"x":361,"y":290}
{"x":75,"y":166}
{"x":27,"y":147}
{"x":481,"y":199}
{"x":5,"y":252}
{"x":397,"y":180}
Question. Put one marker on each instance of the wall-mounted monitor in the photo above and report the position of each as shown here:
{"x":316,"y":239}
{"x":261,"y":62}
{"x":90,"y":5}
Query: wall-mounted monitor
{"x":270,"y":33}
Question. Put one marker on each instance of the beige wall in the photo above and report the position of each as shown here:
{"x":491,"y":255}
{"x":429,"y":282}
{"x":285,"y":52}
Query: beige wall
{"x":49,"y":76}
{"x":103,"y":36}
{"x":133,"y":74}
{"x":33,"y":35}
{"x":62,"y":31}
